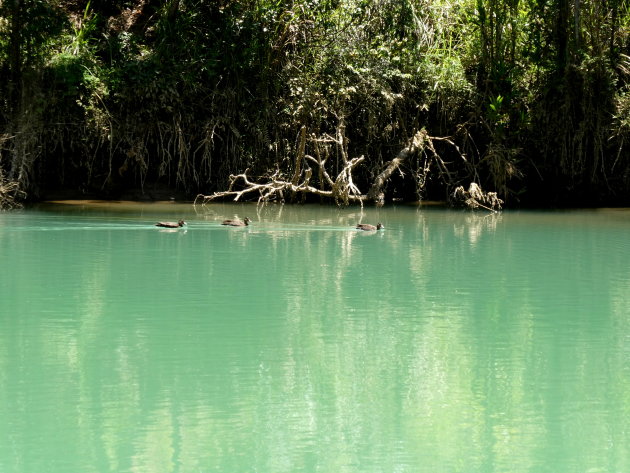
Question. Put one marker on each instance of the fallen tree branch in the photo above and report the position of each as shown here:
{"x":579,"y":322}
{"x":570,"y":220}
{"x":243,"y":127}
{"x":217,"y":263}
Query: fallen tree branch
{"x":343,"y":189}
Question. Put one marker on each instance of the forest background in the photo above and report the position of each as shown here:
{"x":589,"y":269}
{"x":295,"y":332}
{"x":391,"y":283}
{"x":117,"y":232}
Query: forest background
{"x":394,"y":99}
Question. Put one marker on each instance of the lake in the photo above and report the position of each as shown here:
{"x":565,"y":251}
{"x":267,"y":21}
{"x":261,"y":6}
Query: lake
{"x":449,"y":341}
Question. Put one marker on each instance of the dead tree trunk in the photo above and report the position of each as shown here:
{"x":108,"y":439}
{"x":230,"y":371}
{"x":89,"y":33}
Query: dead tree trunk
{"x":420,"y":144}
{"x":416,"y":144}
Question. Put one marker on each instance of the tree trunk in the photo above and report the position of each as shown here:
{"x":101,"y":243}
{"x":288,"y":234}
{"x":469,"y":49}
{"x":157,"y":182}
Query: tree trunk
{"x":15,"y":58}
{"x":576,"y":26}
{"x":416,"y":144}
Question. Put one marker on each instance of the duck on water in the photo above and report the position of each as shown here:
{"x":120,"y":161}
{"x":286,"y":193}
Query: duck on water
{"x":368,"y":228}
{"x":236,"y":222}
{"x":178,"y":224}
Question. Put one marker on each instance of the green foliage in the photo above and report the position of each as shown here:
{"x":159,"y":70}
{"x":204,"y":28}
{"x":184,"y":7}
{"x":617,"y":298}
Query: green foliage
{"x":82,"y":33}
{"x":39,"y":23}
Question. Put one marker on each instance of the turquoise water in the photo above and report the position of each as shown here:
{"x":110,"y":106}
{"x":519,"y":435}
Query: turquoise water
{"x":448,"y":342}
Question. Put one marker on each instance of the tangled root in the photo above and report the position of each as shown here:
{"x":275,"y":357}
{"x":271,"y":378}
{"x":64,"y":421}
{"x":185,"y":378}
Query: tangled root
{"x":475,"y":197}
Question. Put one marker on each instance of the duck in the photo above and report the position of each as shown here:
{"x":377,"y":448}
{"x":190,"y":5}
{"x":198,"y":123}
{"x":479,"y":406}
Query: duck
{"x":367,"y":227}
{"x":236,"y":223}
{"x":178,"y":224}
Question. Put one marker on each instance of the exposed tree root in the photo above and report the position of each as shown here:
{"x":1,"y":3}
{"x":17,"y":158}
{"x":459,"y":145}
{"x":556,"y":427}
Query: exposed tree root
{"x":10,"y":194}
{"x":475,"y":197}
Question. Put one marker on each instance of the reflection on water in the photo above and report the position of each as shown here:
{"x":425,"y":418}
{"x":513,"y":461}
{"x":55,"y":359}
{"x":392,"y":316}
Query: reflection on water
{"x":448,"y":341}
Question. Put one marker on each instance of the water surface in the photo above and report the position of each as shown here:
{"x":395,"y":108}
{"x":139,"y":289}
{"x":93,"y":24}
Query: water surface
{"x":448,"y":342}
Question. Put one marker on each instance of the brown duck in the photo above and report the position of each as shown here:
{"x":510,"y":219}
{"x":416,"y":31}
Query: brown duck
{"x":236,"y":223}
{"x":181,"y":223}
{"x":367,"y":227}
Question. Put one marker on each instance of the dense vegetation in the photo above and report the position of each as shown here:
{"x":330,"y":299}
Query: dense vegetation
{"x":528,"y":98}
